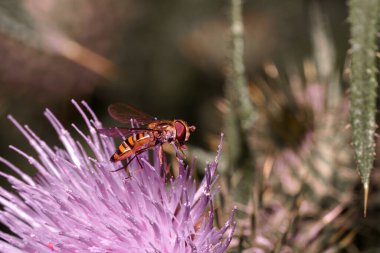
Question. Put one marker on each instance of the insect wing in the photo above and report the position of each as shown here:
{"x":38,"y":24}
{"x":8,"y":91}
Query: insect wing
{"x":121,"y":132}
{"x":124,"y":113}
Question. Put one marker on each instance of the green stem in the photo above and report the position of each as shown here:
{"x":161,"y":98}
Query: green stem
{"x":239,"y":82}
{"x":239,"y":119}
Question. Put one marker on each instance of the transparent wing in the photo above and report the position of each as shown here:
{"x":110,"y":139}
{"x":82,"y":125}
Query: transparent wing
{"x":124,"y":113}
{"x":122,"y":132}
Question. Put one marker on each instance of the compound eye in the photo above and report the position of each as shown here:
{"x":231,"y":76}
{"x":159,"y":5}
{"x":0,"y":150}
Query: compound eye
{"x":180,"y":132}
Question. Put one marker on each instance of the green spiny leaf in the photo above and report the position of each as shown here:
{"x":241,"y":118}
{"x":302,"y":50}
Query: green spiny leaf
{"x":363,"y":18}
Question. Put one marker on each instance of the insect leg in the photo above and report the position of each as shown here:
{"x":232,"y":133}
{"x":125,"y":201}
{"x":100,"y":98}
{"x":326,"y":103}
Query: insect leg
{"x":179,"y":151}
{"x":138,"y":160}
{"x":125,"y":166}
{"x":161,"y":156}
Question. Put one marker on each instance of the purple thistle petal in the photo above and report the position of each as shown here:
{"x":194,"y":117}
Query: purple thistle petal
{"x":76,"y":204}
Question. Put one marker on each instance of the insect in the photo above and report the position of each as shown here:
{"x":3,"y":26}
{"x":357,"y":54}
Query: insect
{"x":150,"y":132}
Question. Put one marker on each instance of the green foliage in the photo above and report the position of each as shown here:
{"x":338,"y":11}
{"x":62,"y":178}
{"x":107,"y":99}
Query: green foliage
{"x":363,"y":18}
{"x":303,"y":174}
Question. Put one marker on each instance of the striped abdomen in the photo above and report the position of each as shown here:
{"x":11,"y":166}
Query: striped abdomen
{"x":131,"y":145}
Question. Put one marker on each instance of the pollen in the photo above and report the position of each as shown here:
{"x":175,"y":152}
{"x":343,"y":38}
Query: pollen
{"x":50,"y":245}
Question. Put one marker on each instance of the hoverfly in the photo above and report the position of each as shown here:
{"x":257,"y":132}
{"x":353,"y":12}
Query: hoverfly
{"x":149,"y":133}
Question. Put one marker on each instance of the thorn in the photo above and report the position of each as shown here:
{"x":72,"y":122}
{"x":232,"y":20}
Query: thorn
{"x":365,"y":186}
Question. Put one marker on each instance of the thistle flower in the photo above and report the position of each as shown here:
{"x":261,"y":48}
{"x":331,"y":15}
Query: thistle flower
{"x":75,"y":204}
{"x":305,"y":142}
{"x":306,"y":181}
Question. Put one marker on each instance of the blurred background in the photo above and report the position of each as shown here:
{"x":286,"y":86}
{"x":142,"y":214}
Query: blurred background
{"x":169,"y":59}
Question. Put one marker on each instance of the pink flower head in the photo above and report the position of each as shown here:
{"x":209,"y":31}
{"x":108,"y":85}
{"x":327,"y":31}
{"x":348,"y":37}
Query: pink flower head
{"x":75,"y":204}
